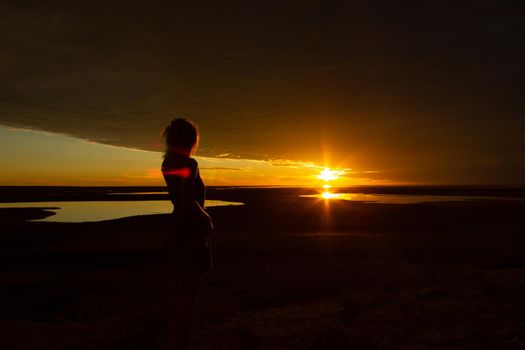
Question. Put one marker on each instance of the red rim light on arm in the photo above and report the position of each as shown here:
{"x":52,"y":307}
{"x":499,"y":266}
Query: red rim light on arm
{"x":181,"y":172}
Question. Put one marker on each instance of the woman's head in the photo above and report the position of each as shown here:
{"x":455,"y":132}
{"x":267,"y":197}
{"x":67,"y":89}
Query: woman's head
{"x":182,"y":137}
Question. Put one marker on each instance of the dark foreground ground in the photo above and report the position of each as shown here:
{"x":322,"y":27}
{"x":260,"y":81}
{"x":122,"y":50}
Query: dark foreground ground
{"x":291,"y":273}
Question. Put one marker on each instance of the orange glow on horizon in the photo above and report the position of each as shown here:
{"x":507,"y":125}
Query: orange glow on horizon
{"x":68,"y":161}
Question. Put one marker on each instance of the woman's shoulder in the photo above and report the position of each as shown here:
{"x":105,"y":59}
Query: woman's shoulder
{"x":193,"y":162}
{"x":172,"y":165}
{"x":193,"y":166}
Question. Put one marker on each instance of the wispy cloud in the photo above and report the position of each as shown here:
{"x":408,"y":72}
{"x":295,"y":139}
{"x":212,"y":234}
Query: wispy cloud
{"x":220,"y":168}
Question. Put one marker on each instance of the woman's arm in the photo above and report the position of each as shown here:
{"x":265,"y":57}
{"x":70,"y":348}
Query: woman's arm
{"x":188,"y":201}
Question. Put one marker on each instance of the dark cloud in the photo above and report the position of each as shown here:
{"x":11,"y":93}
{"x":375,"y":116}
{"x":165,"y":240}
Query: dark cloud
{"x":420,"y":90}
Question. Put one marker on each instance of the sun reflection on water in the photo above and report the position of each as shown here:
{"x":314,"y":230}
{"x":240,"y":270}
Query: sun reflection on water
{"x":328,"y":195}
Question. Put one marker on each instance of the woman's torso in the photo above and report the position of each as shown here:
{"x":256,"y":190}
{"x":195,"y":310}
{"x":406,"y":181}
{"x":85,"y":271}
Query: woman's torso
{"x":188,"y":242}
{"x":180,"y":173}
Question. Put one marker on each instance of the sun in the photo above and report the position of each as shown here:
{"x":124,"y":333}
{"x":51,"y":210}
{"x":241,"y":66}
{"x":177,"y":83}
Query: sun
{"x":328,"y":175}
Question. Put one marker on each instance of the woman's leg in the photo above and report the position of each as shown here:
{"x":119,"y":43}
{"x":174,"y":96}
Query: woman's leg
{"x":180,"y":307}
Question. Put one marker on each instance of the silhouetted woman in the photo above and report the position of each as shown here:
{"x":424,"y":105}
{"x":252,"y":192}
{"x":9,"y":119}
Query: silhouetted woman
{"x":188,"y":243}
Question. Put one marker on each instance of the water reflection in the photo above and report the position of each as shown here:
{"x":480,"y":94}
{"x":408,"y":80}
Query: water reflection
{"x":137,"y":193}
{"x":397,"y":198}
{"x":328,"y":195}
{"x":104,"y":210}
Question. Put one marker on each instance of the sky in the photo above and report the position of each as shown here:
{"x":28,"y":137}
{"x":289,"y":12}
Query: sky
{"x":412,"y":92}
{"x":36,"y":158}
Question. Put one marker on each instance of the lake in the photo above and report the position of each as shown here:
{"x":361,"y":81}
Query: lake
{"x":107,"y":204}
{"x":85,"y":211}
{"x":400,"y":198}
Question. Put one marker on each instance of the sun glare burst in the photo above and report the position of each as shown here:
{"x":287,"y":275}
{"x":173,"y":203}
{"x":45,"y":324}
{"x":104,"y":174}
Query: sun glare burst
{"x":328,"y":175}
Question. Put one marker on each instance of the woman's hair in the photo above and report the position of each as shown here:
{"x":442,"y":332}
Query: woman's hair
{"x":182,"y":137}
